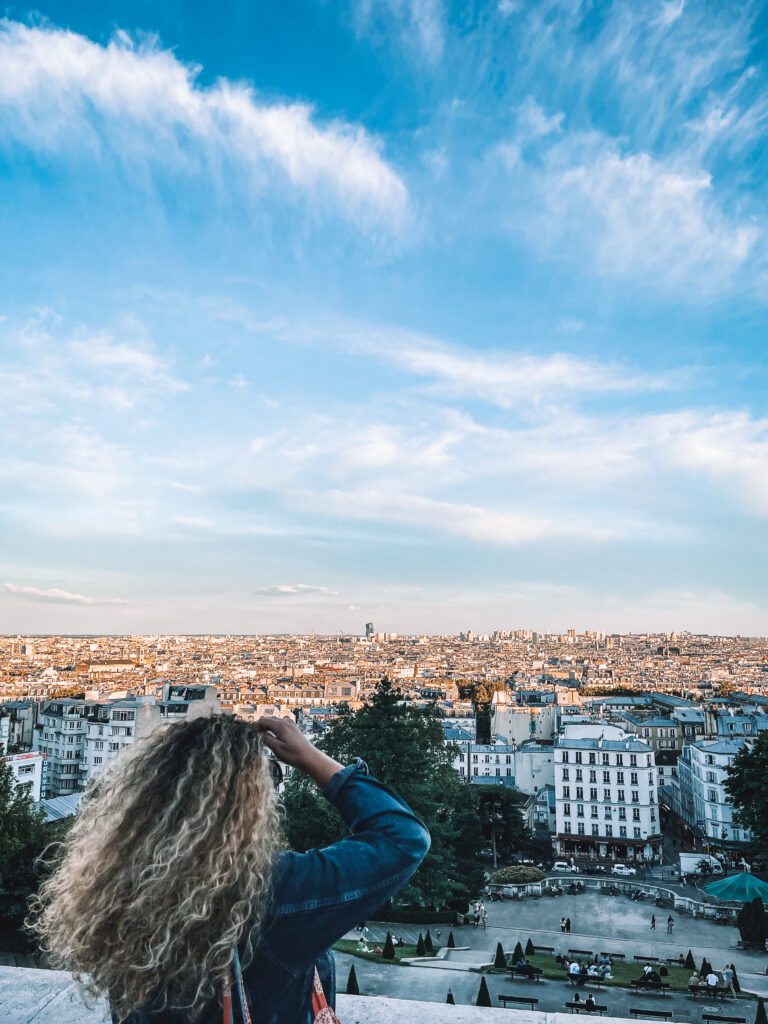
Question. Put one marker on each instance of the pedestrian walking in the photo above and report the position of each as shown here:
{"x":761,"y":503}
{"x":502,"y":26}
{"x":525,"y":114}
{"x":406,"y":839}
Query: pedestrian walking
{"x":568,"y":925}
{"x":653,"y":922}
{"x":484,"y":918}
{"x":670,"y":924}
{"x":728,"y":979}
{"x":562,"y":924}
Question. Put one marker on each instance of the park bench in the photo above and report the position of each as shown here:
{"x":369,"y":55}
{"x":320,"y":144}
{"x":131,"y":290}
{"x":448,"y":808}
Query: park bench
{"x":578,"y":1007}
{"x":674,"y":961}
{"x":504,"y":999}
{"x":722,"y":1020}
{"x":613,"y":956}
{"x":646,"y":959}
{"x":651,"y":1014}
{"x":544,"y":949}
{"x":581,"y":952}
{"x":644,"y":986}
{"x":720,"y":992}
{"x":530,"y":973}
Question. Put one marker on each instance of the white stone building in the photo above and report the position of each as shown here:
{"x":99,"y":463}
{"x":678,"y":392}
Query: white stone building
{"x":606,"y":803}
{"x":27,"y":772}
{"x":712,"y":809}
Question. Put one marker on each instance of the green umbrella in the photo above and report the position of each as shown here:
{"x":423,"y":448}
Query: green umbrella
{"x":741,"y":888}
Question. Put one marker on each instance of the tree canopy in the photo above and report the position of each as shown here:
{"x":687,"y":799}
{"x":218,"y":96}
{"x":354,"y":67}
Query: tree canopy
{"x":404,"y":747}
{"x":745,"y":786}
{"x":23,"y":837}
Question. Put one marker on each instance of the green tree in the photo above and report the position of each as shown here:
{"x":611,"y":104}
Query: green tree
{"x":389,"y":947}
{"x":451,"y":943}
{"x":353,"y":989}
{"x":517,"y":953}
{"x":753,"y":923}
{"x":23,"y":837}
{"x":501,"y":806}
{"x":735,"y":980}
{"x":404,"y":747}
{"x":690,"y":963}
{"x":745,"y":786}
{"x":499,"y":960}
{"x":483,"y":996}
{"x":706,"y":968}
{"x":420,"y":949}
{"x":530,"y":949}
{"x":761,"y":1017}
{"x":449,"y":998}
{"x":428,"y":945}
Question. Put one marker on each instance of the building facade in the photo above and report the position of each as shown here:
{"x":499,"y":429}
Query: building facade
{"x":606,"y":802}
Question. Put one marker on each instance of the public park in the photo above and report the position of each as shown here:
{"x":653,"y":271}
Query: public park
{"x":602,"y":926}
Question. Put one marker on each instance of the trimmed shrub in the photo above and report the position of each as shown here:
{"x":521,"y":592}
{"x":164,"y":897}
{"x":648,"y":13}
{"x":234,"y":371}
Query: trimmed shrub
{"x":761,"y":1017}
{"x":530,"y":949}
{"x":690,"y":963}
{"x":483,"y":996}
{"x":353,"y":989}
{"x":500,"y":960}
{"x":451,"y":943}
{"x":517,"y":953}
{"x":449,"y":998}
{"x":753,"y":923}
{"x":428,"y":943}
{"x":518,"y":874}
{"x":420,"y":950}
{"x":706,"y":968}
{"x":389,"y":948}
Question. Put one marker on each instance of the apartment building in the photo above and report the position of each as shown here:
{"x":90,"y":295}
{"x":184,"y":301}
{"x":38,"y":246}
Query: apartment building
{"x":606,"y":799}
{"x":80,"y":738}
{"x":28,"y":772}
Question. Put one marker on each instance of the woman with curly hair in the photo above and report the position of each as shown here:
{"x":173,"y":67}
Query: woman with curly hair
{"x":174,"y":871}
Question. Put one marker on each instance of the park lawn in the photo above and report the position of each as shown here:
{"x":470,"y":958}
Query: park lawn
{"x":623,"y":973}
{"x":353,"y":946}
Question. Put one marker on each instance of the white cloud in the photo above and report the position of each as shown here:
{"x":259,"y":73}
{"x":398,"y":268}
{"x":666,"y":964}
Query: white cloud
{"x":294,"y":589}
{"x":103,"y":353}
{"x":670,"y":12}
{"x":61,"y":92}
{"x":632,"y":215}
{"x":501,"y":527}
{"x":421,"y":22}
{"x":56,"y":596}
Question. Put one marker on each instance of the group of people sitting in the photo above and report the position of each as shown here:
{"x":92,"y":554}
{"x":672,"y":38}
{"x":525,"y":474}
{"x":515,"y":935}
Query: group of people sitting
{"x":588,"y":1003}
{"x":651,"y":978}
{"x":578,"y":972}
{"x":712,"y":981}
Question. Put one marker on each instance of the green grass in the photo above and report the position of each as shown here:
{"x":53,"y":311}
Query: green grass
{"x":353,"y":946}
{"x":623,"y":973}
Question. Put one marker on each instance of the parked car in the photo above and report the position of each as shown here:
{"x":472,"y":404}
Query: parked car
{"x":561,"y":865}
{"x":624,"y":870}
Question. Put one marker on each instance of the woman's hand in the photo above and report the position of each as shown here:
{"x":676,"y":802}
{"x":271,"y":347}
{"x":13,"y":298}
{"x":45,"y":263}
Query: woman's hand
{"x":288,"y":743}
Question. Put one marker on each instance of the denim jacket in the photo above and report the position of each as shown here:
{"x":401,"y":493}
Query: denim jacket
{"x":319,"y":895}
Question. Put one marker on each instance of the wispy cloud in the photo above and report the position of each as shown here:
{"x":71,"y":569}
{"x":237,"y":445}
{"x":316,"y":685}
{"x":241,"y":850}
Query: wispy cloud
{"x":60,"y":92}
{"x":421,"y":22}
{"x":294,"y":589}
{"x":56,"y":596}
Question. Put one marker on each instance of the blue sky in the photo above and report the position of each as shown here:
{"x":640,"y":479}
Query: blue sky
{"x":441,"y":315}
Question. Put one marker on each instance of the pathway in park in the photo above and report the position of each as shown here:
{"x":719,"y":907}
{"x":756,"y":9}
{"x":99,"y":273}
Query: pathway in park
{"x":611,"y":923}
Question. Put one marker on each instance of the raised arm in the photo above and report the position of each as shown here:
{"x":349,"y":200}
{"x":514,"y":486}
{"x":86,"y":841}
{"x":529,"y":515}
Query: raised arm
{"x":321,"y":894}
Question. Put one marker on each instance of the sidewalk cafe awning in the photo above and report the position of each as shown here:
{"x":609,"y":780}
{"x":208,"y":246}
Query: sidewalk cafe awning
{"x":739,"y":888}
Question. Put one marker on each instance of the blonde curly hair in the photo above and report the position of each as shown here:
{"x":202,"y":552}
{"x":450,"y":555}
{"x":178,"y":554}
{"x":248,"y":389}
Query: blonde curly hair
{"x":167,"y":865}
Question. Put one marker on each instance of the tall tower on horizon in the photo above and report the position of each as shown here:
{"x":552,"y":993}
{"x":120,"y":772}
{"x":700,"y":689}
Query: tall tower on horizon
{"x":368,"y":630}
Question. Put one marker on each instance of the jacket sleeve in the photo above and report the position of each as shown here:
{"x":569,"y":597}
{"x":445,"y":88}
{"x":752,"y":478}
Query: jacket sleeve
{"x":321,"y":894}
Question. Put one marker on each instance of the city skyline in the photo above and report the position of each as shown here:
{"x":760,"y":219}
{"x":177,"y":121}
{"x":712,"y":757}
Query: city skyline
{"x":383,"y":311}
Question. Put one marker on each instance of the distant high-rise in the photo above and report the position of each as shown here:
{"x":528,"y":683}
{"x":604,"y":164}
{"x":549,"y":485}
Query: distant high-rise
{"x":368,"y":630}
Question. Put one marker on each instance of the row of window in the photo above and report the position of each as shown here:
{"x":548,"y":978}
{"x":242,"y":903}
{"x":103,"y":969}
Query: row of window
{"x":605,"y":758}
{"x":606,"y":795}
{"x":579,"y":776}
{"x":607,"y":812}
{"x":608,"y":831}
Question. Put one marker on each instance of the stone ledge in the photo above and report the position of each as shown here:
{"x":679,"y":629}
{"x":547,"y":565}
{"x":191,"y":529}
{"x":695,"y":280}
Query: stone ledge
{"x":34,"y":996}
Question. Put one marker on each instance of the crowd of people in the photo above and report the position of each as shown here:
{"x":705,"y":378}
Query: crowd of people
{"x":709,"y":983}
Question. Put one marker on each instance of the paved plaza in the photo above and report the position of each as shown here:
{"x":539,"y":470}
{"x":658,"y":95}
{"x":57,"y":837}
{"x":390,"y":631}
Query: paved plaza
{"x":612,"y":923}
